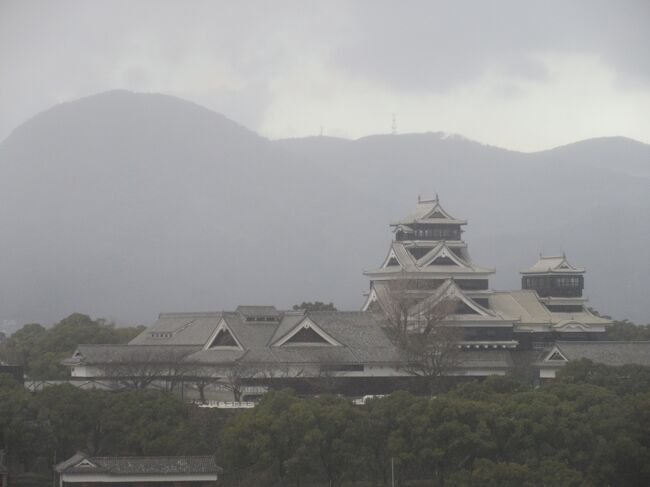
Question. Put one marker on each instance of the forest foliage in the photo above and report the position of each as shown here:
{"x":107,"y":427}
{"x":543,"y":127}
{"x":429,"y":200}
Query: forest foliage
{"x":591,"y":426}
{"x":42,"y":349}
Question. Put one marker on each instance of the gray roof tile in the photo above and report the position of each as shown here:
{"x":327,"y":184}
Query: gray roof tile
{"x":142,"y":465}
{"x":608,"y":353}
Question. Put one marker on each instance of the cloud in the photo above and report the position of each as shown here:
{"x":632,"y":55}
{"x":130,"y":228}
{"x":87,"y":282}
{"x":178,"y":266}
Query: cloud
{"x":256,"y":60}
{"x":517,"y":112}
{"x":433,"y":46}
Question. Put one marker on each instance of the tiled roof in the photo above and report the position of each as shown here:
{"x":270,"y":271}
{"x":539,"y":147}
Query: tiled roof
{"x":424,"y":210}
{"x":116,"y":354}
{"x":179,"y":329}
{"x":409,"y":264}
{"x":525,"y":306}
{"x":609,"y":353}
{"x":141,"y":465}
{"x":556,"y":264}
{"x":360,"y":335}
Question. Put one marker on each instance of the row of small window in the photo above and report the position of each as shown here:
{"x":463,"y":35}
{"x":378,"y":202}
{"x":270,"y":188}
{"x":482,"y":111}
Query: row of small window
{"x":443,"y":232}
{"x":566,"y":281}
{"x":342,"y":368}
{"x":465,"y":284}
{"x":161,"y":335}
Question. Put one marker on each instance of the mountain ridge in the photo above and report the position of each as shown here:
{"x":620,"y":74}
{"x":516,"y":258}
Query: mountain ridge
{"x":129,"y":204}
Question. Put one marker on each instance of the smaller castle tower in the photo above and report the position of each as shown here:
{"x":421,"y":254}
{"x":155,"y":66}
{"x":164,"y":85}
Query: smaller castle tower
{"x":558,"y":283}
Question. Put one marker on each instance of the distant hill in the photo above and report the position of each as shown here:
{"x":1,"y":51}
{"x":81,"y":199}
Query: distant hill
{"x":123,"y":205}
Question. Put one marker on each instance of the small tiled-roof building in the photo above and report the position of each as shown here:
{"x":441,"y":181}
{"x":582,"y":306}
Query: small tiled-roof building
{"x":82,"y":470}
{"x":604,"y":352}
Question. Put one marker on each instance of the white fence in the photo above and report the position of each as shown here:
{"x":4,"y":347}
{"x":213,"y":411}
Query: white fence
{"x":227,"y":404}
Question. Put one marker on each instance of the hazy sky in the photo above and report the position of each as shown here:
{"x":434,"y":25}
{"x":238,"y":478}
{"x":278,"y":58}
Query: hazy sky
{"x":521,"y":75}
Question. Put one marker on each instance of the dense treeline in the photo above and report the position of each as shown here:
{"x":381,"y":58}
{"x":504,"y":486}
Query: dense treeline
{"x":36,"y":428}
{"x":626,"y":331}
{"x":41,"y":349}
{"x":590,"y":427}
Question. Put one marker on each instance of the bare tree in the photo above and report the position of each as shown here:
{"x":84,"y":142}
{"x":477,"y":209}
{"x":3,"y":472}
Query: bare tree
{"x":139,"y":367}
{"x":236,"y":376}
{"x":428,"y":345}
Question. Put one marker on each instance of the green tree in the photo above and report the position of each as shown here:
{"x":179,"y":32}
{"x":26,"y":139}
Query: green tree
{"x":147,"y":422}
{"x":627,"y":331}
{"x":315,"y":306}
{"x":20,"y":434}
{"x":334,"y":437}
{"x":486,"y":473}
{"x":43,"y":349}
{"x":71,"y":416}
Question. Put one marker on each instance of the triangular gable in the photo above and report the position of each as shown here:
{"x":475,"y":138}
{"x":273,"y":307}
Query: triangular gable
{"x":85,"y":463}
{"x":452,"y":291}
{"x":391,"y":260}
{"x":555,"y":355}
{"x":470,"y":304}
{"x":223,"y":337}
{"x":372,"y":298}
{"x":443,"y":260}
{"x":307,"y":333}
{"x":564,"y":265}
{"x":438,"y":213}
{"x":442,"y":253}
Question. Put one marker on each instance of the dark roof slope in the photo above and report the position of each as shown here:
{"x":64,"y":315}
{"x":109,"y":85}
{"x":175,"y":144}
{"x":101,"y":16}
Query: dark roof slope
{"x":141,"y":465}
{"x":608,"y":353}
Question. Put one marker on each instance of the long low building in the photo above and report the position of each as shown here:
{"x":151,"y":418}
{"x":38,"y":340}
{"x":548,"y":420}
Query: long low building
{"x":82,"y":470}
{"x":259,"y":345}
{"x":605,"y":352}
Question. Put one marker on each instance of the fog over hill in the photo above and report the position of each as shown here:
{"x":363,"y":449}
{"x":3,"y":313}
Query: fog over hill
{"x":124,"y":205}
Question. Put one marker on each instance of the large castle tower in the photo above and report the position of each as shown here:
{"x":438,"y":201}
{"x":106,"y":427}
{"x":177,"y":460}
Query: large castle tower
{"x":428,"y":253}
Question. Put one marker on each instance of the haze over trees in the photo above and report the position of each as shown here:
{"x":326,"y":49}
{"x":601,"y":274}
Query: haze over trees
{"x":125,"y":205}
{"x":591,"y":426}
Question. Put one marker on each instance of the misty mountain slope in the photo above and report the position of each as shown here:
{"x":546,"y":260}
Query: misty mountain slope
{"x":125,"y":205}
